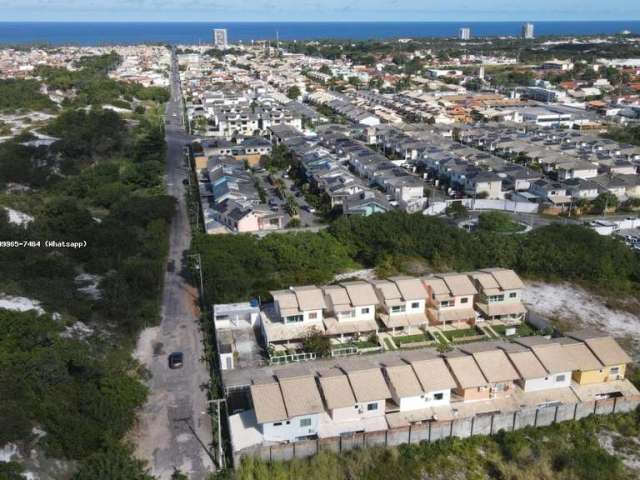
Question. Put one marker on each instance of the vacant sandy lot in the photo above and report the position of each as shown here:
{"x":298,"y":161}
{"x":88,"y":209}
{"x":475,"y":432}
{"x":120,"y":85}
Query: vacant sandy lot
{"x":575,"y":307}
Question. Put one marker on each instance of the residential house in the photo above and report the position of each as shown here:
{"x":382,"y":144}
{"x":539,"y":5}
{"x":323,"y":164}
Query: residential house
{"x":402,"y":301}
{"x":471,"y":385}
{"x":613,"y":358}
{"x":556,"y":361}
{"x":484,"y":184}
{"x":287,"y":410}
{"x":533,"y":374}
{"x":365,"y":203}
{"x":450,"y":300}
{"x":345,"y":414}
{"x":499,"y":295}
{"x":351,"y":309}
{"x":369,"y":387}
{"x":293,"y":315}
{"x":587,"y":369}
{"x":495,"y":367}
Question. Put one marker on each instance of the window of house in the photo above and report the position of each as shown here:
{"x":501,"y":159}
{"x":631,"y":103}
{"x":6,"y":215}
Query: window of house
{"x":295,"y":319}
{"x":398,"y":309}
{"x":614,"y":370}
{"x":496,"y":298}
{"x":372,"y":406}
{"x":365,"y":310}
{"x":305,"y":422}
{"x":313,"y":315}
{"x":464,"y":300}
{"x":513,"y":295}
{"x":277,"y":424}
{"x":438,"y":396}
{"x":560,"y":378}
{"x":415,"y":305}
{"x":446,"y":303}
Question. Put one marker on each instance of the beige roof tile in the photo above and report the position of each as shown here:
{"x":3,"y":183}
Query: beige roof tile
{"x":433,"y":374}
{"x":338,"y":298}
{"x":336,"y":389}
{"x":507,"y":279}
{"x":495,"y":366}
{"x":465,"y":371}
{"x":459,"y":284}
{"x":388,"y":290}
{"x":582,"y":357}
{"x":309,"y":298}
{"x":301,"y":396}
{"x":607,"y":350}
{"x":553,"y":357}
{"x":403,"y":380}
{"x":527,"y":365}
{"x":410,"y":288}
{"x":268,"y":403}
{"x":361,"y":293}
{"x":367,"y":384}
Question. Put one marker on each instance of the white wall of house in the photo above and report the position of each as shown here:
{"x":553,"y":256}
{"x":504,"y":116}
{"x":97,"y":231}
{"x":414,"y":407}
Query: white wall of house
{"x":412,"y":306}
{"x":419,"y":402}
{"x":358,"y":411}
{"x":558,"y":380}
{"x":367,"y":312}
{"x":292,"y":429}
{"x":374,"y":408}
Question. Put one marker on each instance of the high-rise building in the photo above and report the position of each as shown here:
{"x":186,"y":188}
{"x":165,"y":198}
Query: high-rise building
{"x":528,"y":31}
{"x":464,"y":33}
{"x":220,"y":39}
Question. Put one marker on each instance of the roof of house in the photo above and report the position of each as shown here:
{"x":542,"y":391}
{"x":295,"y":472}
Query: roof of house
{"x":403,"y":380}
{"x":458,"y":284}
{"x":495,"y":366}
{"x":309,"y":297}
{"x":605,"y":348}
{"x":582,"y":357}
{"x":361,"y":293}
{"x":268,"y":403}
{"x":367,"y":382}
{"x":433,"y":374}
{"x":553,"y":357}
{"x":338,"y":297}
{"x":301,"y":396}
{"x":503,"y":279}
{"x":388,"y":290}
{"x":336,"y":389}
{"x":465,"y":370}
{"x":526,"y":363}
{"x":411,"y":288}
{"x":297,"y":299}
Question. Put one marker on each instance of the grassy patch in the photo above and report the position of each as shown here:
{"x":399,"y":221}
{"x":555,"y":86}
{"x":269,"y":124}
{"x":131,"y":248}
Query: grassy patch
{"x":410,"y":339}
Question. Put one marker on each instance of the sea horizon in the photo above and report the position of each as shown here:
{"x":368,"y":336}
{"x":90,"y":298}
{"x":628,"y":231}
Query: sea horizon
{"x":87,"y":33}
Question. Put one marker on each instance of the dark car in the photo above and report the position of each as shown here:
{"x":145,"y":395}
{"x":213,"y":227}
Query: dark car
{"x":175,"y":360}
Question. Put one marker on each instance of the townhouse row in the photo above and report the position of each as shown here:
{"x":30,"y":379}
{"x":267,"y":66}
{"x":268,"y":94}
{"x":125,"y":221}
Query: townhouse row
{"x":399,"y":305}
{"x":331,"y":398}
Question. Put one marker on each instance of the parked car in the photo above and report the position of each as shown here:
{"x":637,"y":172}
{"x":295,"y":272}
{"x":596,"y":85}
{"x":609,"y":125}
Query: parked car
{"x":176,"y":360}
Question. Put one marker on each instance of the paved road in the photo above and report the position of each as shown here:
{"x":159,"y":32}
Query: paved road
{"x":173,"y":426}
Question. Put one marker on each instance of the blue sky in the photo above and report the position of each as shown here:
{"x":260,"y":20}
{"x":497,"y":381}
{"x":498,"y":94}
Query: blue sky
{"x":317,"y":10}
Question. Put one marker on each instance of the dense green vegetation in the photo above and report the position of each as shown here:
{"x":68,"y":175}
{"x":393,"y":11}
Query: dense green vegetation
{"x":555,"y":252}
{"x":99,"y":183}
{"x":629,"y":134}
{"x":18,"y":94}
{"x":242,"y":267}
{"x":563,"y":451}
{"x":64,"y":386}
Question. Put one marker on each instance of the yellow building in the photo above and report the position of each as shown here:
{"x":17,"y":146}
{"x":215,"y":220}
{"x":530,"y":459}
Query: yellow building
{"x":606,"y":351}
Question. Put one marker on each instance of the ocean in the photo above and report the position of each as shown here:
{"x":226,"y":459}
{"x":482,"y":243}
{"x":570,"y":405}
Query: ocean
{"x":80,"y":33}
